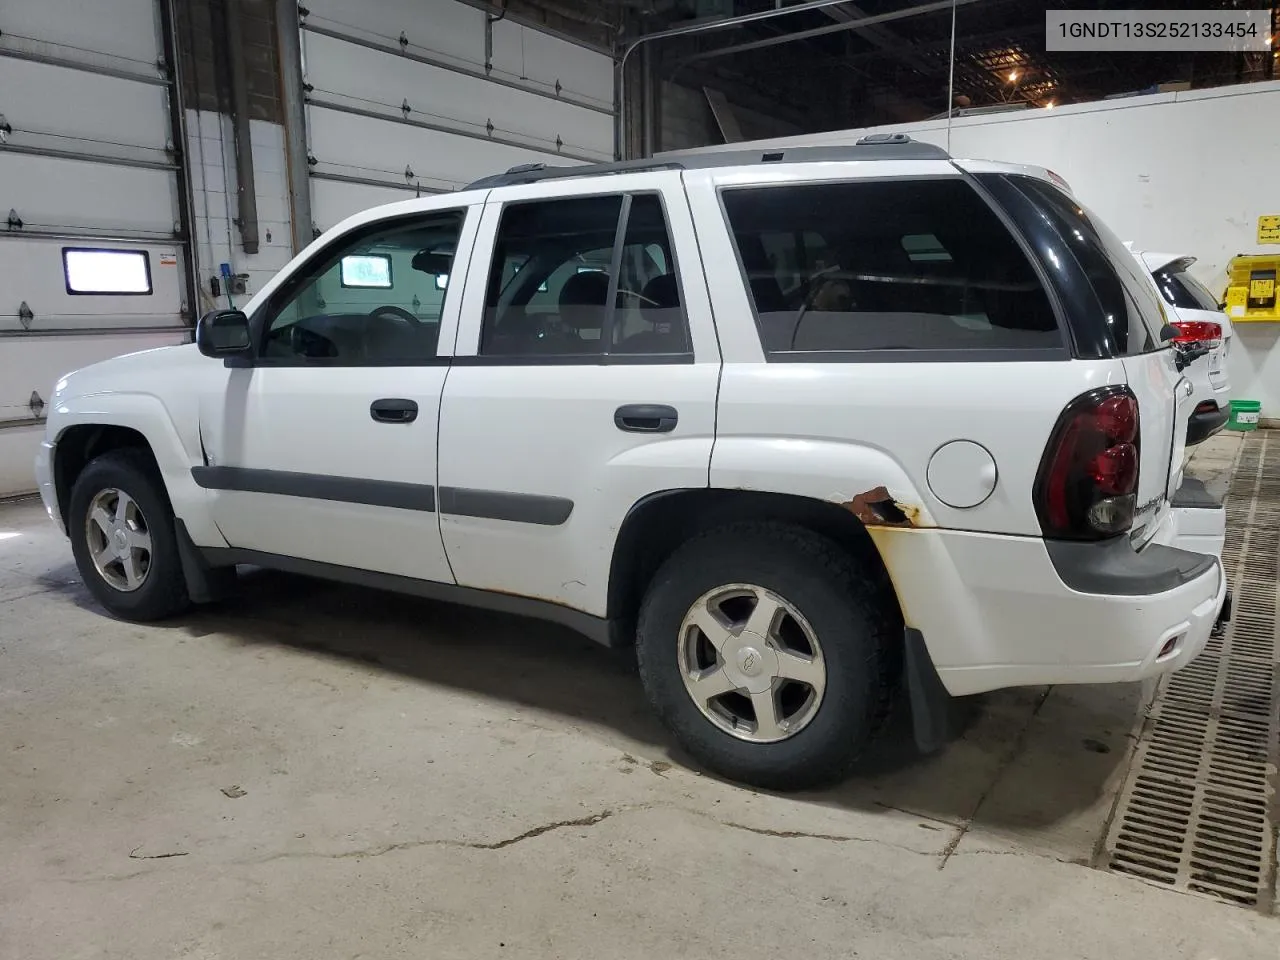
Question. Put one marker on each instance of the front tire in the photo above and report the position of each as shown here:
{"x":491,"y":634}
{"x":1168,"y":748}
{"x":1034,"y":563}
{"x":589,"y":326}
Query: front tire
{"x":122,"y":535}
{"x":770,"y":653}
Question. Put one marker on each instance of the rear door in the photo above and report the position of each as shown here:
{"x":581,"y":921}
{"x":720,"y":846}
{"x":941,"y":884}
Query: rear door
{"x":584,"y":380}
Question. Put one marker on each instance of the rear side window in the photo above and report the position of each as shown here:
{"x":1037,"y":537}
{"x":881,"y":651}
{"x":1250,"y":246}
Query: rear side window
{"x":578,"y":278}
{"x":1183,"y":290}
{"x":1131,"y":310}
{"x":862,"y":268}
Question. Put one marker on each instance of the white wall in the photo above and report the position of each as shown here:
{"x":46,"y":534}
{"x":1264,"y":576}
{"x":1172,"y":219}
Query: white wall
{"x":1186,"y":172}
{"x":211,"y":154}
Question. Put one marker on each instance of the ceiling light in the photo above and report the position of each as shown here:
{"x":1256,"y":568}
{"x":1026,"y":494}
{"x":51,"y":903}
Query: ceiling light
{"x":1013,"y":76}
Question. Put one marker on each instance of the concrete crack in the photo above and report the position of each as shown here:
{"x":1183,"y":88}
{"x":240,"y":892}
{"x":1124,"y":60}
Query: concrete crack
{"x":1019,"y":744}
{"x":135,"y":855}
{"x":378,"y":851}
{"x":803,"y":834}
{"x":31,"y":593}
{"x":590,"y":821}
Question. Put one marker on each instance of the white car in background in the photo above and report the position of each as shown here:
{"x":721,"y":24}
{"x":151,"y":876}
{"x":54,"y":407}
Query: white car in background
{"x":1204,"y":338}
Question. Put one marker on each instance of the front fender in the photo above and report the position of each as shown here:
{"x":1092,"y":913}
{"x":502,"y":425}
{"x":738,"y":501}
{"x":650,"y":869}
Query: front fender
{"x":146,"y":414}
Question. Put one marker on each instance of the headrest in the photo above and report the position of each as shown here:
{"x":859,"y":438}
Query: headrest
{"x":588,"y":289}
{"x":661,"y":293}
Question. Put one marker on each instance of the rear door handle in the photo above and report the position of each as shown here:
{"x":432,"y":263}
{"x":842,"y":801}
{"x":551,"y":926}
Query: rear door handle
{"x":394,"y":410}
{"x":646,"y":418}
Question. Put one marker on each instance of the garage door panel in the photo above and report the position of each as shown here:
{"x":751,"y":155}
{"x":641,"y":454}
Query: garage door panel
{"x":82,"y":107}
{"x":363,"y":77}
{"x":332,"y":201}
{"x":54,"y":193}
{"x":84,"y":166}
{"x":521,"y":52}
{"x":18,"y":446}
{"x":31,"y":272}
{"x":441,"y":26}
{"x":121,"y":28}
{"x":36,"y":363}
{"x":378,"y":146}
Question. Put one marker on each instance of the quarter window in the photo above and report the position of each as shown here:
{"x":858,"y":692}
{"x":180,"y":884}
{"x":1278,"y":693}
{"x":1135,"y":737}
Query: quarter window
{"x":1133,"y":313}
{"x":584,"y":277}
{"x":375,"y":297}
{"x":885,"y":266}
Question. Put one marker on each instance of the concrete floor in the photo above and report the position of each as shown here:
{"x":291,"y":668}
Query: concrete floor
{"x":317,"y":771}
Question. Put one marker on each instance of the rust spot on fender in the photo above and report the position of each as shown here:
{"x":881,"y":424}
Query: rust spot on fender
{"x":876,"y":508}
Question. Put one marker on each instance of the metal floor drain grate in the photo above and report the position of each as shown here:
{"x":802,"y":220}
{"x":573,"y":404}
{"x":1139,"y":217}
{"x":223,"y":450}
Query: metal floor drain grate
{"x":1196,"y":811}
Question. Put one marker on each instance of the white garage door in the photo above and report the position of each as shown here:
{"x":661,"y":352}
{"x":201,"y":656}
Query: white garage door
{"x":400,"y":100}
{"x":91,"y":264}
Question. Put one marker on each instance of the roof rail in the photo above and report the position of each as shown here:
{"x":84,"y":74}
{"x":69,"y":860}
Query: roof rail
{"x":536,"y":172}
{"x":875,"y":146}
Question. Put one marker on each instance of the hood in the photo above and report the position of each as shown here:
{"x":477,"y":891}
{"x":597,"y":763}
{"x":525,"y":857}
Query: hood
{"x":132,"y":372}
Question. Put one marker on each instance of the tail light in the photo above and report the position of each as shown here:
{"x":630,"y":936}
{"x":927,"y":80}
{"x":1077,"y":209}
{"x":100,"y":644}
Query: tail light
{"x":1205,"y":332}
{"x":1059,"y":180}
{"x":1087,"y":486}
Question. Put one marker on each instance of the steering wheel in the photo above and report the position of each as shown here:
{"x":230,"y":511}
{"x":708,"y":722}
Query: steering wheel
{"x":393,"y":310}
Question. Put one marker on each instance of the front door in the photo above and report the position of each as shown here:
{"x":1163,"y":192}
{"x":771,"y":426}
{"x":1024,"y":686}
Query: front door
{"x":325,"y":449}
{"x":585,"y":381}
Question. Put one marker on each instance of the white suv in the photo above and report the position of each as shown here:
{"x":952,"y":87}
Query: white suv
{"x":1204,"y":338}
{"x":804,"y":427}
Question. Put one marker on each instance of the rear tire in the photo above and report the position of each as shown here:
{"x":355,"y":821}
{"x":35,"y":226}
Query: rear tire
{"x":122,"y":535}
{"x":835,"y":628}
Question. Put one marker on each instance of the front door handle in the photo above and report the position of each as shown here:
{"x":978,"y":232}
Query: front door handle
{"x":394,"y":410}
{"x":646,"y":418}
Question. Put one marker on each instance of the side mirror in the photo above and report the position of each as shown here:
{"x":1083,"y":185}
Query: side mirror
{"x":222,"y":334}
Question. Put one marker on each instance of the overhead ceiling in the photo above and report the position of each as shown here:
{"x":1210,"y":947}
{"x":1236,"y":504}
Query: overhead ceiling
{"x":900,"y":70}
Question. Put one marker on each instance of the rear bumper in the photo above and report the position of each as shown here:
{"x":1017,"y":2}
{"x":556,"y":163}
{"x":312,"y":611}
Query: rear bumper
{"x":1000,"y":611}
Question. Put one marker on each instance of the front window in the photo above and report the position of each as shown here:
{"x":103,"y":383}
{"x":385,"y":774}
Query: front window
{"x":375,"y":297}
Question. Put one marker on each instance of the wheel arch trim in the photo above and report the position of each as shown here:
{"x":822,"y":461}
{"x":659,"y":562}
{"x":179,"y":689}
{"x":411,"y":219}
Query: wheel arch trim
{"x":147,"y":416}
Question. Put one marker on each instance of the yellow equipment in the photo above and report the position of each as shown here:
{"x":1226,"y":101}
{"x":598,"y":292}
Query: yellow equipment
{"x":1251,"y":288}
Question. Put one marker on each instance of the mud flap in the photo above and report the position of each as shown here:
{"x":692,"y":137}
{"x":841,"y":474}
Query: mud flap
{"x":934,"y":720}
{"x":205,"y":584}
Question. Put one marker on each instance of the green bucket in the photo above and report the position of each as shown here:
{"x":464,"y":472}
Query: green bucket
{"x":1244,"y":415}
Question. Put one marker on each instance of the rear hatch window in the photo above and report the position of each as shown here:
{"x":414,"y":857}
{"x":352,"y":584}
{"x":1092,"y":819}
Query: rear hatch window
{"x":1184,"y":291}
